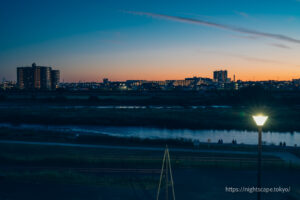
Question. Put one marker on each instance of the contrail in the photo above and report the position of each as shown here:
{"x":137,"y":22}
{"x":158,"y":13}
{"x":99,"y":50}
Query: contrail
{"x":220,"y":26}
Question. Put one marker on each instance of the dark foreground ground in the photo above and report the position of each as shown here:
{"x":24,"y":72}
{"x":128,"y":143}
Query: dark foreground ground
{"x":56,"y":172}
{"x":189,"y":184}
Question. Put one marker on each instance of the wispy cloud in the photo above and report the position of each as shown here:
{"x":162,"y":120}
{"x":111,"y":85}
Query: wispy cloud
{"x":250,"y":37}
{"x":250,"y":58}
{"x":291,"y":19}
{"x":220,"y":26}
{"x":280,"y":46}
{"x":256,"y":59}
{"x":245,"y":57}
{"x":111,"y":41}
{"x":243,"y":14}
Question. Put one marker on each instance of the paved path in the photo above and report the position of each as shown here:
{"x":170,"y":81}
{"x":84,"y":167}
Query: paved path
{"x":285,"y":156}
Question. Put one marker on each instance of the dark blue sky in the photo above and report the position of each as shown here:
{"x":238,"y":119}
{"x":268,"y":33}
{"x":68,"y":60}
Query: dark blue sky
{"x":89,"y":40}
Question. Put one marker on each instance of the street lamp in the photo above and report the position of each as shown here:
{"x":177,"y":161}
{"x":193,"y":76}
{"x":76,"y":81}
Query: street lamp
{"x":260,"y":121}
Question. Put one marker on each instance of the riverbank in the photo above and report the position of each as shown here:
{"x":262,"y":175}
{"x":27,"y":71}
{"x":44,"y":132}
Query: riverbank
{"x":217,"y":118}
{"x":150,"y":133}
{"x":38,"y":135}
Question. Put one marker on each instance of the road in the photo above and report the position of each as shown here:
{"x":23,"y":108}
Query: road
{"x":285,"y":156}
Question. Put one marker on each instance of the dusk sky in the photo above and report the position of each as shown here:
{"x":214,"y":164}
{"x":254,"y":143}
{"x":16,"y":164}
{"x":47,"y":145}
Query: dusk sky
{"x":152,"y":39}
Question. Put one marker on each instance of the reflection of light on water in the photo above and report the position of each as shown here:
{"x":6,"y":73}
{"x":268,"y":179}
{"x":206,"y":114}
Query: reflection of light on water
{"x":130,"y":107}
{"x":246,"y":137}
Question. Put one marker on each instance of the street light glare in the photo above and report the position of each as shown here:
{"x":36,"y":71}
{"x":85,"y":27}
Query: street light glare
{"x":260,"y":119}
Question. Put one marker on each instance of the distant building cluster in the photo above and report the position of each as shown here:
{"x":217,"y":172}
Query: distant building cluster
{"x":7,"y":85}
{"x":45,"y":78}
{"x":37,"y":77}
{"x":220,"y":81}
{"x":195,"y":83}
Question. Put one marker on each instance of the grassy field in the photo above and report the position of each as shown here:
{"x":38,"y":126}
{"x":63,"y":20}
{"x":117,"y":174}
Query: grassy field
{"x":76,"y":165}
{"x":131,"y":174}
{"x":239,"y":118}
{"x":74,"y":156}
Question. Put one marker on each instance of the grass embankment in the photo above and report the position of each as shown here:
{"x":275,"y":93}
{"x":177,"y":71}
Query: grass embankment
{"x":239,"y":118}
{"x":40,"y":158}
{"x":74,"y":177}
{"x":112,"y":167}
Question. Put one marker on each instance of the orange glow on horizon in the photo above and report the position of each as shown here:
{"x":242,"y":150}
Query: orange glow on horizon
{"x":256,"y":77}
{"x":163,"y":73}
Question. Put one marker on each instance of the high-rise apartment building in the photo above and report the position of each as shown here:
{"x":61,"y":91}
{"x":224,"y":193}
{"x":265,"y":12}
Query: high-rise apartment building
{"x":37,"y":77}
{"x":45,"y":77}
{"x":220,"y":76}
{"x":55,"y":77}
{"x":24,"y":77}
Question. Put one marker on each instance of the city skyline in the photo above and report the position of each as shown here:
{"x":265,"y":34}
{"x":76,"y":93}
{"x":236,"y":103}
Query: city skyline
{"x":36,"y":77}
{"x":231,"y":76}
{"x":152,"y":40}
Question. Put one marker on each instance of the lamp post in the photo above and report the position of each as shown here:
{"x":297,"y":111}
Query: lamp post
{"x":260,"y":121}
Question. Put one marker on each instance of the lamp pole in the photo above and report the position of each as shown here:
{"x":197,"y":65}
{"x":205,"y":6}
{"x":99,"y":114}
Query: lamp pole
{"x":259,"y":162}
{"x":259,"y":120}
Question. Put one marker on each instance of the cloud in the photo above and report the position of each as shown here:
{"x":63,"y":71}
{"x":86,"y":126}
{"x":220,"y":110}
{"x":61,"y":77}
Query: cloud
{"x":250,"y":37}
{"x":257,"y":59}
{"x":245,"y":57}
{"x":280,"y":46}
{"x":291,"y":19}
{"x":220,"y":26}
{"x":243,"y":14}
{"x":250,"y":58}
{"x":111,"y":41}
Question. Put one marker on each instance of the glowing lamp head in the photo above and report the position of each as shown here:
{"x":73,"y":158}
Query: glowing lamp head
{"x":260,"y":119}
